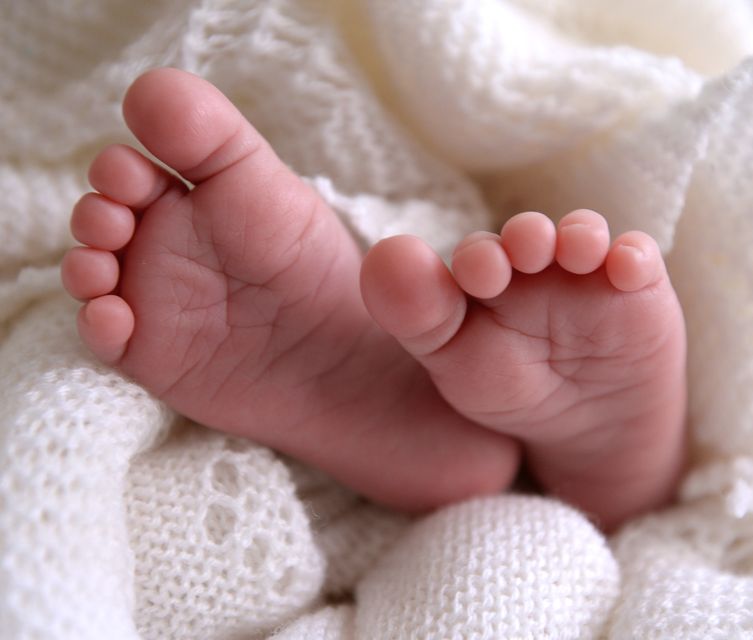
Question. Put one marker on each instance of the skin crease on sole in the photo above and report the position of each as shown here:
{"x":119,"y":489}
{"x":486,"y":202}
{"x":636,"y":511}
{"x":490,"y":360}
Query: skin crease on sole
{"x":239,"y":304}
{"x":555,"y":336}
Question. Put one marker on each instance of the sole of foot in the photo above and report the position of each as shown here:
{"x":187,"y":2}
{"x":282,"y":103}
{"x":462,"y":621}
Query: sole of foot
{"x":556,"y":336}
{"x":227,"y":288}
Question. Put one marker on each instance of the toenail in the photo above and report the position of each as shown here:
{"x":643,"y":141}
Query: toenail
{"x":636,"y":251}
{"x":474,"y":238}
{"x":583,"y":226}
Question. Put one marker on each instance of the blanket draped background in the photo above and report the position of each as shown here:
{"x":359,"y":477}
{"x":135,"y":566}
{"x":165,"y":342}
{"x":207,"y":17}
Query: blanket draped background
{"x":119,"y":520}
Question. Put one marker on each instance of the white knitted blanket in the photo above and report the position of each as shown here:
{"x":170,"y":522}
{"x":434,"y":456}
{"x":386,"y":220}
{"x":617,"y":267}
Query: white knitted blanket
{"x":435,"y":117}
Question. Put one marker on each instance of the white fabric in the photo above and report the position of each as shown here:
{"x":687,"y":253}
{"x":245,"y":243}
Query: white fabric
{"x":434,"y":117}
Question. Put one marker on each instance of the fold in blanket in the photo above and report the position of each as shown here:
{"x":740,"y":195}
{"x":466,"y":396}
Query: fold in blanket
{"x":433,"y":117}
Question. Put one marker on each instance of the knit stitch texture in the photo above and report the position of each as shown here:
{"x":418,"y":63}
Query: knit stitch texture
{"x":121,"y":520}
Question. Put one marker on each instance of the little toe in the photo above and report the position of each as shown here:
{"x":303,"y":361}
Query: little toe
{"x":634,"y":261}
{"x":582,"y":241}
{"x":411,"y":294}
{"x":101,"y":223}
{"x":529,"y":240}
{"x":105,"y":325}
{"x":88,"y":273}
{"x":124,"y":175}
{"x":481,"y":266}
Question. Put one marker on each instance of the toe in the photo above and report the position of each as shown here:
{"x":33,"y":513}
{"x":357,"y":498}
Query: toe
{"x":105,"y":324}
{"x":529,"y":239}
{"x":89,"y":273}
{"x":124,"y":175}
{"x":242,"y":189}
{"x":634,"y":261}
{"x":190,"y":125}
{"x":411,"y":294}
{"x":582,"y":241}
{"x":101,"y":223}
{"x":481,"y":266}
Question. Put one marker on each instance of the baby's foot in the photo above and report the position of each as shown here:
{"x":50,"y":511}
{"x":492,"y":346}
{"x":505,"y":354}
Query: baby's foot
{"x":237,"y":303}
{"x":583,"y":359}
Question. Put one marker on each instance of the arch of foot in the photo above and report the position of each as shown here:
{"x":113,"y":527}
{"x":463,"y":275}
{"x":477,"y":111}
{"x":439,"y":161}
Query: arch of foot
{"x":503,"y":567}
{"x":221,"y":542}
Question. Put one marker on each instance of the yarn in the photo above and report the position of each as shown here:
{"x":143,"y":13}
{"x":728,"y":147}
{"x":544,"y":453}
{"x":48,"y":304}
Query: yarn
{"x":120,"y":520}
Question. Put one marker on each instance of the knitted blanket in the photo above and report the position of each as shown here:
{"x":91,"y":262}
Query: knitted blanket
{"x":120,"y":520}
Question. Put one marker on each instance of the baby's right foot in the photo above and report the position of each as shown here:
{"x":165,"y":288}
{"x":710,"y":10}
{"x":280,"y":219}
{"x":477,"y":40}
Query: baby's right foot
{"x":237,"y":303}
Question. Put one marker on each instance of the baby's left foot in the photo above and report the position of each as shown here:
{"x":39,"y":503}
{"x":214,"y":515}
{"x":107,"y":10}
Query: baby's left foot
{"x":552,"y":336}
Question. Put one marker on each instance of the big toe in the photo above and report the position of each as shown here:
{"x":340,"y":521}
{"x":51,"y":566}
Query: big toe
{"x":257,"y":211}
{"x":411,"y":294}
{"x":188,"y":123}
